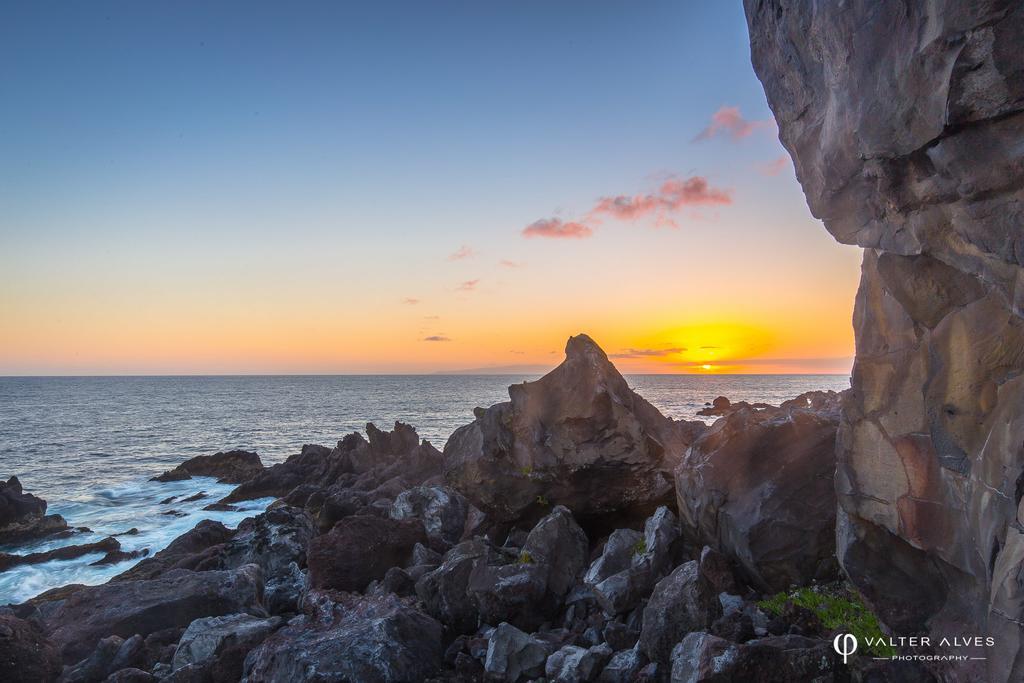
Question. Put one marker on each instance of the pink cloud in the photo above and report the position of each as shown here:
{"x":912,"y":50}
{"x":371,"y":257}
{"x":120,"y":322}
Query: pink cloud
{"x":673,"y":195}
{"x":437,"y":338}
{"x":729,"y":121}
{"x":775,"y":166}
{"x":505,"y":263}
{"x":468,"y":285}
{"x":409,"y":301}
{"x":461,"y":253}
{"x":555,"y":228}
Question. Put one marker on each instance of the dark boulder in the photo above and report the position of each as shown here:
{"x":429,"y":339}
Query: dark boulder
{"x":682,"y":602}
{"x":377,"y":639}
{"x":230,"y":467}
{"x":577,"y":437}
{"x":704,"y":658}
{"x":758,"y":486}
{"x":361,"y":549}
{"x":632,"y":562}
{"x":26,"y":654}
{"x":513,"y":655}
{"x":528,"y":588}
{"x":441,"y":509}
{"x":222,"y":643}
{"x":23,"y":516}
{"x":184,"y":552}
{"x":127,"y":608}
{"x":444,"y":590}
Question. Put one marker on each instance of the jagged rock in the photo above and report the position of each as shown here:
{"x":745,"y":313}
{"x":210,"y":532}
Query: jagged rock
{"x":574,"y":664}
{"x":210,"y":639}
{"x":758,"y":487}
{"x":623,"y":667}
{"x":118,"y":556}
{"x":704,"y":658}
{"x":444,"y":591}
{"x":276,"y":541}
{"x":683,"y":601}
{"x":23,"y":516}
{"x":68,"y":552}
{"x":111,"y":655}
{"x":577,"y":437}
{"x":530,"y":588}
{"x":26,"y":654}
{"x":384,"y":456}
{"x":919,"y":162}
{"x":361,"y":549}
{"x":513,"y":655}
{"x":632,"y":563}
{"x":131,"y":675}
{"x":231,"y":467}
{"x":141,"y":607}
{"x":441,"y":509}
{"x":353,"y":638}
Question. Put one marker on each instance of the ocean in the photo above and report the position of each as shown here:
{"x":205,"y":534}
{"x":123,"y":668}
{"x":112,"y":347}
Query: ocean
{"x":88,"y":445}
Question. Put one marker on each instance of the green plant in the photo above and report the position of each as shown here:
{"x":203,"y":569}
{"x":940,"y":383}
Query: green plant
{"x":541,"y":500}
{"x":525,"y":558}
{"x":838,"y":608}
{"x":640,"y":547}
{"x":526,"y":470}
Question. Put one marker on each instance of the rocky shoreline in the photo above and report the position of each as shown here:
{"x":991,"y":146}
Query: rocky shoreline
{"x":570,"y":534}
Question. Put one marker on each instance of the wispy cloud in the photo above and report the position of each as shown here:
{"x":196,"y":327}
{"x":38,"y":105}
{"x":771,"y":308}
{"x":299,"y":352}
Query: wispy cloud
{"x":775,"y":166}
{"x":674,"y":194}
{"x":669,"y":198}
{"x":728,"y":121}
{"x":437,"y":338}
{"x":505,"y":263}
{"x":647,"y":353}
{"x":710,"y":347}
{"x":463,"y":252}
{"x":431,"y":317}
{"x":555,"y":228}
{"x":468,"y":286}
{"x":410,"y":301}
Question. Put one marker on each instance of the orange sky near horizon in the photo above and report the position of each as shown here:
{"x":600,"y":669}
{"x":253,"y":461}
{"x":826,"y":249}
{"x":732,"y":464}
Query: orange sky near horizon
{"x":366,"y":188}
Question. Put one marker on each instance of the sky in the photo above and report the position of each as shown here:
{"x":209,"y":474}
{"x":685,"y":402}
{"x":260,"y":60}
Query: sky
{"x":220,"y":188}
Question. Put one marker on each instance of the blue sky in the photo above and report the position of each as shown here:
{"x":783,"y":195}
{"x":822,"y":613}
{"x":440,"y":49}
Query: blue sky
{"x":167,"y":167}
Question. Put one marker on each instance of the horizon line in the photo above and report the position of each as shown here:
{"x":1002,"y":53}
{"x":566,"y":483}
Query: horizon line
{"x":454,"y":373}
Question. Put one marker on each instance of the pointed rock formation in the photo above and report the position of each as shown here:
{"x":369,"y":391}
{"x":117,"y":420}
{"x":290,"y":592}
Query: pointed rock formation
{"x":578,"y":437}
{"x":905,"y":122}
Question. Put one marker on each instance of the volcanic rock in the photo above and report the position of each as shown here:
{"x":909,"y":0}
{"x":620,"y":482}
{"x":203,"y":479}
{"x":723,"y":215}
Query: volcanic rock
{"x":231,"y":467}
{"x":530,"y":588}
{"x":26,"y":654}
{"x":23,"y":516}
{"x":68,"y":552}
{"x":577,"y":437}
{"x":919,"y":162}
{"x":682,"y":602}
{"x":379,"y":457}
{"x":441,"y":509}
{"x":141,"y":607}
{"x":758,"y":487}
{"x":575,"y":664}
{"x":631,"y":563}
{"x":513,"y":655}
{"x":361,"y":549}
{"x":353,"y":638}
{"x":210,"y":638}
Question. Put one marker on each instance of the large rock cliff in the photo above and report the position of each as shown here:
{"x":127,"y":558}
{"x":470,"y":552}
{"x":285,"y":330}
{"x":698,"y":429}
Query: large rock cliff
{"x":905,"y":124}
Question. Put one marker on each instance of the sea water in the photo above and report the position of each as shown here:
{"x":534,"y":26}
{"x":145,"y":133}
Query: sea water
{"x":89,"y":445}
